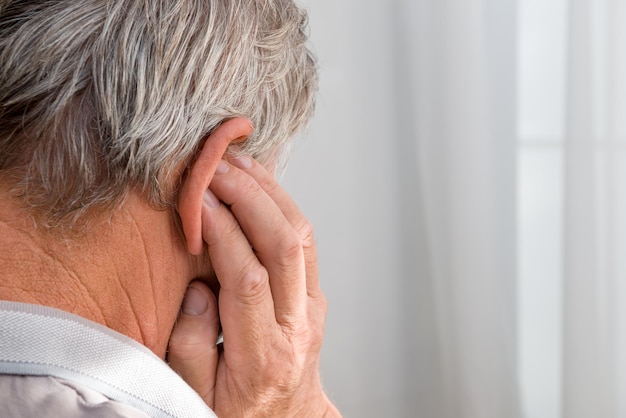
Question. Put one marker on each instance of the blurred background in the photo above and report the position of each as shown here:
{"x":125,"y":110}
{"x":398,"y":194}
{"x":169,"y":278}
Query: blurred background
{"x":466,"y":176}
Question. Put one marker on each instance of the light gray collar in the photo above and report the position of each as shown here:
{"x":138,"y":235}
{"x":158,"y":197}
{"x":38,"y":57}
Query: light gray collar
{"x":37,"y":340}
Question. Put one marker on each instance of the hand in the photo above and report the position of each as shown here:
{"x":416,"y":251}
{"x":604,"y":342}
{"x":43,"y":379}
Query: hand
{"x":271,"y":307}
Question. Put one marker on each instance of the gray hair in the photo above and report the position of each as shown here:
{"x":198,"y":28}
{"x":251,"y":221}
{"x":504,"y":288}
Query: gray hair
{"x":101,"y":96}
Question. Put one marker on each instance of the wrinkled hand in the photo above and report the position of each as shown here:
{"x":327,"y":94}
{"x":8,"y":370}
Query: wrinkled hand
{"x":271,"y":307}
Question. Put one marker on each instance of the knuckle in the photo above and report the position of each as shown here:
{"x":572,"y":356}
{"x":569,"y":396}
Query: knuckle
{"x":269,"y":184}
{"x":303,"y":338}
{"x":184,"y":343}
{"x":249,"y":187}
{"x":317,"y":319}
{"x":228,"y":231}
{"x":289,"y":249}
{"x":316,"y":337}
{"x":306,"y":233}
{"x":322,"y":303}
{"x":253,"y":282}
{"x":320,"y":319}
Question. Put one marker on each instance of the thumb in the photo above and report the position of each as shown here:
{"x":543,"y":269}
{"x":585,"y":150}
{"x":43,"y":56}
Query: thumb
{"x":192,"y":350}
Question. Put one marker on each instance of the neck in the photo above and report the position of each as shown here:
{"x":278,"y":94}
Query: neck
{"x":129,"y":272}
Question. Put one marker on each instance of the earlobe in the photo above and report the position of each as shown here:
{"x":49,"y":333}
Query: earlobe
{"x":200,"y":175}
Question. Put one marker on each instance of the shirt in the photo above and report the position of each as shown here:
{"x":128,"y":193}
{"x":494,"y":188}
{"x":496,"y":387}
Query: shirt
{"x":54,"y":363}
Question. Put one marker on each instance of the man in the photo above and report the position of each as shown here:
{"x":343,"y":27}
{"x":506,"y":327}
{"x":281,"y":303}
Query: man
{"x":138,"y":142}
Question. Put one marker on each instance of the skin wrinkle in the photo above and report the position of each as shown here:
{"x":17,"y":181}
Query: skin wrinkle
{"x":151,"y":277}
{"x":85,"y":290}
{"x":20,"y":293}
{"x":127,"y":295}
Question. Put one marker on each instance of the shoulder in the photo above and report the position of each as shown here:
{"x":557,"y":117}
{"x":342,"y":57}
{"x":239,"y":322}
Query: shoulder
{"x":46,"y":396}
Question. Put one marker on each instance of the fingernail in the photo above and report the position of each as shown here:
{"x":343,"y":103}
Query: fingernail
{"x":195,"y":302}
{"x":210,"y":199}
{"x":222,"y":167}
{"x":244,"y":162}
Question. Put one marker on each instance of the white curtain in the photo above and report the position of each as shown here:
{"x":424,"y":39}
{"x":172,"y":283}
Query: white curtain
{"x":594,"y":378}
{"x":461,"y":67}
{"x":410,"y":175}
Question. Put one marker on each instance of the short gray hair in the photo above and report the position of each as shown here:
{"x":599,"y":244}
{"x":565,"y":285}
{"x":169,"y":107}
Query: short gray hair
{"x":101,"y":96}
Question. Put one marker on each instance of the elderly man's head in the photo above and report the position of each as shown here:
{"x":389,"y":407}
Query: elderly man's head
{"x":98,"y":97}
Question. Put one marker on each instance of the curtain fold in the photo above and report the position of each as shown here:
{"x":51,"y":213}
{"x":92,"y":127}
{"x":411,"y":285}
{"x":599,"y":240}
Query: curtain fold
{"x":463,"y":65}
{"x":594,"y":239}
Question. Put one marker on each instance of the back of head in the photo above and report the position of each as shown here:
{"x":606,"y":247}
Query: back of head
{"x":98,"y":97}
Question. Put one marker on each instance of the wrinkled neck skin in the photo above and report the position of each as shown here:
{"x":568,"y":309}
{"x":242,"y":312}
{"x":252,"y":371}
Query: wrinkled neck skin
{"x":129,"y":271}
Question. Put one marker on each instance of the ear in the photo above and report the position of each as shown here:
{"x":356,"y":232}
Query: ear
{"x":200,"y":174}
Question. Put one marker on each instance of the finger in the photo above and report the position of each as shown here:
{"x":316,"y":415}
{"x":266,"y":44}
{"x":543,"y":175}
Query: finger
{"x":292,"y":212}
{"x":275,"y":241}
{"x":192,"y":350}
{"x":246,"y":305}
